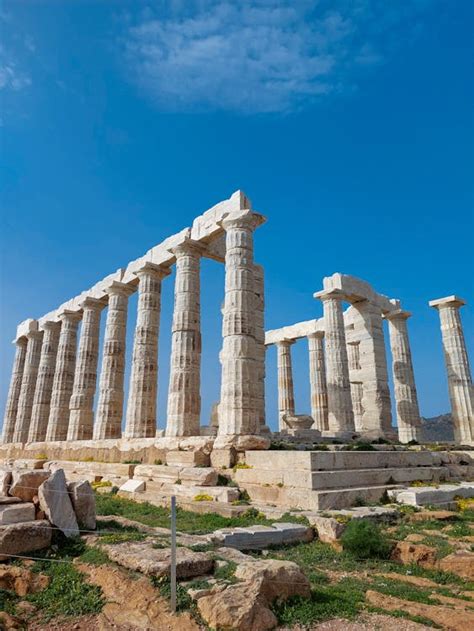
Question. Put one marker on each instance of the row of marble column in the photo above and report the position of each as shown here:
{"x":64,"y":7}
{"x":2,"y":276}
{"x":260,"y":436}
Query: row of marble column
{"x":54,"y":379}
{"x":332,"y":405}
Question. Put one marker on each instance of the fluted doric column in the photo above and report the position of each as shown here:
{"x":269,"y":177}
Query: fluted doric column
{"x":44,"y":382}
{"x":28,"y":386}
{"x":81,"y":403}
{"x":286,"y":395}
{"x":184,"y":396}
{"x":406,"y":399}
{"x":340,"y":413}
{"x":141,"y":407}
{"x":11,"y":408}
{"x":457,"y":366}
{"x":63,"y":377}
{"x":238,"y":409}
{"x":260,"y":342}
{"x":108,"y":422}
{"x":317,"y":381}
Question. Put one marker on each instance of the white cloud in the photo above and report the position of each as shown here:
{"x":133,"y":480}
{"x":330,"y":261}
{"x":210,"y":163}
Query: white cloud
{"x":260,"y":56}
{"x":12,"y":76}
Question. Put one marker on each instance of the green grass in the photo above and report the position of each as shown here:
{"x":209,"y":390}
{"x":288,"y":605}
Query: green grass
{"x":187,"y":521}
{"x":122,"y":537}
{"x":226,"y":572}
{"x":94,"y":556}
{"x":364,"y":540}
{"x":8,"y":601}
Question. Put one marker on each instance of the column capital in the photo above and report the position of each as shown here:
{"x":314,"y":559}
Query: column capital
{"x":449,"y":301}
{"x":118,"y":288}
{"x":93,"y":303}
{"x":242,"y":219}
{"x":49,"y":325}
{"x":316,"y":335}
{"x":284,"y":343}
{"x":34,"y":335}
{"x":330,"y":294}
{"x":188,"y":247}
{"x":72,"y":316}
{"x":397,"y":314}
{"x":20,"y":341}
{"x":151,"y":269}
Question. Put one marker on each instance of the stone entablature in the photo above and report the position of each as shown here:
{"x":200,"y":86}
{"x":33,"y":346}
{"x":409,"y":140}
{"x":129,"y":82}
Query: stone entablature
{"x":65,"y":372}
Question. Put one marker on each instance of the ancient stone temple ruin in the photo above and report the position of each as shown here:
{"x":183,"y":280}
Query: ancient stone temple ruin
{"x":59,"y":407}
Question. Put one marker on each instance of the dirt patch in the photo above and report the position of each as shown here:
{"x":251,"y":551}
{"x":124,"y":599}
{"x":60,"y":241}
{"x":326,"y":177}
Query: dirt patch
{"x":137,"y":600}
{"x":365,"y":622}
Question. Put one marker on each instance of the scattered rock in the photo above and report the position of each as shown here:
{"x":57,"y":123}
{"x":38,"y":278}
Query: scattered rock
{"x":460,"y":562}
{"x":415,"y":537}
{"x":142,"y":557}
{"x":239,"y":607}
{"x":25,"y":537}
{"x":5,"y":481}
{"x":25,"y":484}
{"x":9,"y":622}
{"x":56,"y":503}
{"x":329,"y":530}
{"x":439,"y":515}
{"x":21,"y":580}
{"x":419,"y":554}
{"x":133,"y":486}
{"x":277,"y":579}
{"x":232,"y":554}
{"x":16,"y":513}
{"x":446,"y":617}
{"x":83,"y":502}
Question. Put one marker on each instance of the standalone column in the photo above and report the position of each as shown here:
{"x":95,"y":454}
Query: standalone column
{"x":340,"y":413}
{"x":457,"y":365}
{"x":11,"y":409}
{"x":286,"y":396}
{"x":260,"y":342}
{"x":28,"y":385}
{"x":81,"y":404}
{"x":108,"y":422}
{"x":238,"y":410}
{"x":63,"y":377}
{"x":184,"y":397}
{"x":317,"y":380}
{"x":44,"y":382}
{"x":408,"y":413}
{"x":141,"y":408}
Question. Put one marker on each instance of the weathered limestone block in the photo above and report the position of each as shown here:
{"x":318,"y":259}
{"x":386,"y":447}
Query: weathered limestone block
{"x":423,"y":495}
{"x":187,"y":458}
{"x":44,"y":382}
{"x":317,"y":378}
{"x":110,"y":405}
{"x":28,"y":385}
{"x":63,"y":377}
{"x":5,"y":481}
{"x":242,"y":443}
{"x":25,"y":537}
{"x":217,"y":493}
{"x":11,"y":407}
{"x":329,"y":529}
{"x":238,"y":409}
{"x":461,"y":392}
{"x":157,"y":472}
{"x":340,"y":413}
{"x":16,"y":513}
{"x":116,"y":473}
{"x":83,"y":502}
{"x":56,"y":503}
{"x":81,"y":419}
{"x":407,"y":553}
{"x":184,"y":398}
{"x":133,"y":486}
{"x":279,"y":579}
{"x":25,"y":484}
{"x":198,"y":476}
{"x":286,"y":397}
{"x":408,"y":413}
{"x":223,"y":458}
{"x":141,"y":407}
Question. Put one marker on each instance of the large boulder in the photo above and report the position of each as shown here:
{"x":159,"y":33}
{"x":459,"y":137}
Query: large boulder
{"x":417,"y":553}
{"x":239,"y":607}
{"x":56,"y":503}
{"x":83,"y":501}
{"x":277,"y":579}
{"x":5,"y":481}
{"x":25,"y":537}
{"x":25,"y":484}
{"x":16,"y":513}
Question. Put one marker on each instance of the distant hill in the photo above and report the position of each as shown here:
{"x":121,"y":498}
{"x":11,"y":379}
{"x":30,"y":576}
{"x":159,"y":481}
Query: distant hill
{"x":438,"y":428}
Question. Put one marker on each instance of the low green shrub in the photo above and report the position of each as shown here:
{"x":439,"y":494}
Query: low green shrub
{"x":364,"y":540}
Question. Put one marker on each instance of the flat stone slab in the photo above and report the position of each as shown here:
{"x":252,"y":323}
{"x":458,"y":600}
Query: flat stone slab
{"x":422,"y":495}
{"x":258,"y":537}
{"x":142,"y":557}
{"x":16,"y":513}
{"x":9,"y":500}
{"x":56,"y":503}
{"x":133,"y":486}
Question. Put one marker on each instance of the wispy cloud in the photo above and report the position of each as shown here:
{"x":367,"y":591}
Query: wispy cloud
{"x":261,"y":55}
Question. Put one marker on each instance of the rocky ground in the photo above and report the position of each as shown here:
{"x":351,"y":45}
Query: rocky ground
{"x":418,"y":567}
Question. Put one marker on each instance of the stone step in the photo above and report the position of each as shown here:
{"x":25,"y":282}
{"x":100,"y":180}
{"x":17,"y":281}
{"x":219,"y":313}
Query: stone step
{"x":117,"y":473}
{"x":337,"y":478}
{"x":331,"y":460}
{"x":442,"y":495}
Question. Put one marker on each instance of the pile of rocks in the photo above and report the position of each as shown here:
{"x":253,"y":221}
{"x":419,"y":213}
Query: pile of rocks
{"x":34,"y":502}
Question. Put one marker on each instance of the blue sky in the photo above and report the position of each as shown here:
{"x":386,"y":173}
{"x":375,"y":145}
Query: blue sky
{"x":348,"y":123}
